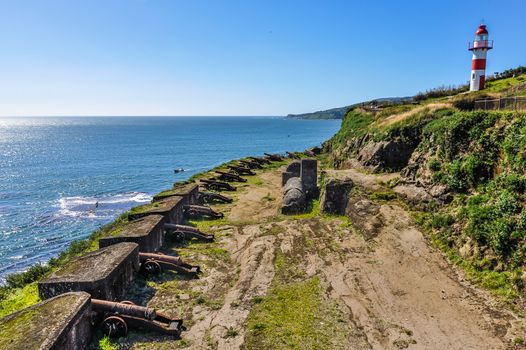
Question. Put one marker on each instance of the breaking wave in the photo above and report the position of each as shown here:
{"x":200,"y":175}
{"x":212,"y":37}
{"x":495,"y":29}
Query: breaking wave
{"x":100,"y":207}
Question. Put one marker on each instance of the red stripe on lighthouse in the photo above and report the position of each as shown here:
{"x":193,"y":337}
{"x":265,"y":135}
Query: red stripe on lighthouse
{"x":478,"y":63}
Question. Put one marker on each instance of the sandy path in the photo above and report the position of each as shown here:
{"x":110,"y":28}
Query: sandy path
{"x":396,"y":291}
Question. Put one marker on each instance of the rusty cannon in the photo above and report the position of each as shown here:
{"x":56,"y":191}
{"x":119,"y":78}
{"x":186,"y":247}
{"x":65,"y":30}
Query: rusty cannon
{"x":215,"y":185}
{"x":260,"y":160}
{"x":274,"y":157}
{"x":154,"y":264}
{"x":251,"y":164}
{"x":241,"y":170}
{"x":188,"y":232}
{"x":310,"y":153}
{"x":118,"y":317}
{"x":201,"y":211}
{"x":211,"y":197}
{"x":230,"y":177}
{"x":293,"y":155}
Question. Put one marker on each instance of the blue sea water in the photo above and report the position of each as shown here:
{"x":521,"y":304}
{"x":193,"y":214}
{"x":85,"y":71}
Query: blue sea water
{"x":54,"y":170}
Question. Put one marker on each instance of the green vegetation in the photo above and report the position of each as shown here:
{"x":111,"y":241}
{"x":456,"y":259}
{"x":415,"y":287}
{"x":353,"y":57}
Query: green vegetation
{"x":385,"y":195}
{"x":294,"y":314}
{"x":20,"y":289}
{"x":106,"y":344}
{"x":478,"y":157}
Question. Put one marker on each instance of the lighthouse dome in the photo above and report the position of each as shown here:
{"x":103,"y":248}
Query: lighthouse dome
{"x":481,"y":30}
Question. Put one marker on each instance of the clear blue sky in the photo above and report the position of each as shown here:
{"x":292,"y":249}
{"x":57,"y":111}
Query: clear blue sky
{"x":194,"y":57}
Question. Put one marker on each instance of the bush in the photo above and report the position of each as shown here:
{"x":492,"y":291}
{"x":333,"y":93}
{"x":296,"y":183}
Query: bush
{"x":34,"y":273}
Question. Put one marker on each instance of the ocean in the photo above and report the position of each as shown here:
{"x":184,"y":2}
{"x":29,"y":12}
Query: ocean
{"x":53,"y":171}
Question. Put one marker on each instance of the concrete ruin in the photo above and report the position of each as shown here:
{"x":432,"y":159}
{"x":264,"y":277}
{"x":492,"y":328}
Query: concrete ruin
{"x":293,"y":170}
{"x":309,"y":177}
{"x":104,"y":274}
{"x":171,"y":208}
{"x":62,"y":322}
{"x":147,"y":232}
{"x":300,"y":186}
{"x":189,"y":193}
{"x":335,"y":196}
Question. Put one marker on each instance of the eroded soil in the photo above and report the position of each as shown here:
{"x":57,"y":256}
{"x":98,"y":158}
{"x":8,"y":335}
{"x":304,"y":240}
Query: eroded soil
{"x":392,"y":289}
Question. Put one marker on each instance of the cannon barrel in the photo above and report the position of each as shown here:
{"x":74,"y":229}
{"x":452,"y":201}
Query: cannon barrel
{"x":205,"y":197}
{"x":123,"y":309}
{"x":182,"y":228}
{"x":274,"y":157}
{"x":161,"y":257}
{"x":152,"y":263}
{"x":241,"y":170}
{"x":231,"y":176}
{"x":292,"y":155}
{"x":251,"y":164}
{"x":189,"y":231}
{"x":260,"y":160}
{"x":217,"y":185}
{"x":202,"y":210}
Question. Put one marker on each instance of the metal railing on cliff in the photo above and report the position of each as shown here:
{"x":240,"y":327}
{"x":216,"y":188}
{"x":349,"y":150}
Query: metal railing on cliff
{"x":516,"y":103}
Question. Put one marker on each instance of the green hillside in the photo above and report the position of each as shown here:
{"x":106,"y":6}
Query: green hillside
{"x":469,"y":167}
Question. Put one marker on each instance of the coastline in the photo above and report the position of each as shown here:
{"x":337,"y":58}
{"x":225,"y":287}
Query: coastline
{"x":20,"y":290}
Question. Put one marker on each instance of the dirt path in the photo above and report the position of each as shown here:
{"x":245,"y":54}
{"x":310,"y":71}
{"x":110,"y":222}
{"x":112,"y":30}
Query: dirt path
{"x":395,"y":291}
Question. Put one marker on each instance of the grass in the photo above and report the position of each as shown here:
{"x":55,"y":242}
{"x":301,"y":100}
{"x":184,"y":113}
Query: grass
{"x":19,"y":298}
{"x":313,"y":210}
{"x":294,"y":314}
{"x":384,"y":195}
{"x":502,"y":284}
{"x":106,"y":344}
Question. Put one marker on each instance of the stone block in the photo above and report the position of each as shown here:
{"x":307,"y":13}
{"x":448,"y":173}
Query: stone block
{"x":104,"y":274}
{"x":335,"y":196}
{"x":292,"y":170}
{"x":189,"y":192}
{"x":147,"y":232}
{"x":171,"y":208}
{"x":62,"y":322}
{"x":309,"y":177}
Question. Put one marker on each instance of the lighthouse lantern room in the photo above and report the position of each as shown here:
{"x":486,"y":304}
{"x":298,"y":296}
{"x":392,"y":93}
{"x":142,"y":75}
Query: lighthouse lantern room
{"x":480,"y":47}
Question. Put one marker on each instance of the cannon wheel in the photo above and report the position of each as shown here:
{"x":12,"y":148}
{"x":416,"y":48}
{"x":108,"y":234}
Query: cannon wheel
{"x":114,"y":327}
{"x":150,"y":268}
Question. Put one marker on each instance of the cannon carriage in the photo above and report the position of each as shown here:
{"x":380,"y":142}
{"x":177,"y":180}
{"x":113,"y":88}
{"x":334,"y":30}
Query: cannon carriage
{"x":119,"y":317}
{"x":214,"y":185}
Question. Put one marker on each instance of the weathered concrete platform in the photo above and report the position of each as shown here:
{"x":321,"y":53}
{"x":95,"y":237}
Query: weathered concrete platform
{"x":190,"y":192}
{"x":171,"y":208}
{"x":63,"y":322}
{"x":104,"y":274}
{"x":293,"y":170}
{"x":147,"y":232}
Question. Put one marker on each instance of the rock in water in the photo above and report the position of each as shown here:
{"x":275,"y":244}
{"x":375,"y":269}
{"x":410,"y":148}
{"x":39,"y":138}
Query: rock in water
{"x":335,"y":196}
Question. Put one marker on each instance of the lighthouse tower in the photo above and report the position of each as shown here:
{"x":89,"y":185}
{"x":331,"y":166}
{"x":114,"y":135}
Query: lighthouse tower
{"x":479,"y":47}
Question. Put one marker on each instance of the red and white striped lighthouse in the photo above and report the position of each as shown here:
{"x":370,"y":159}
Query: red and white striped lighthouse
{"x":479,"y":47}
